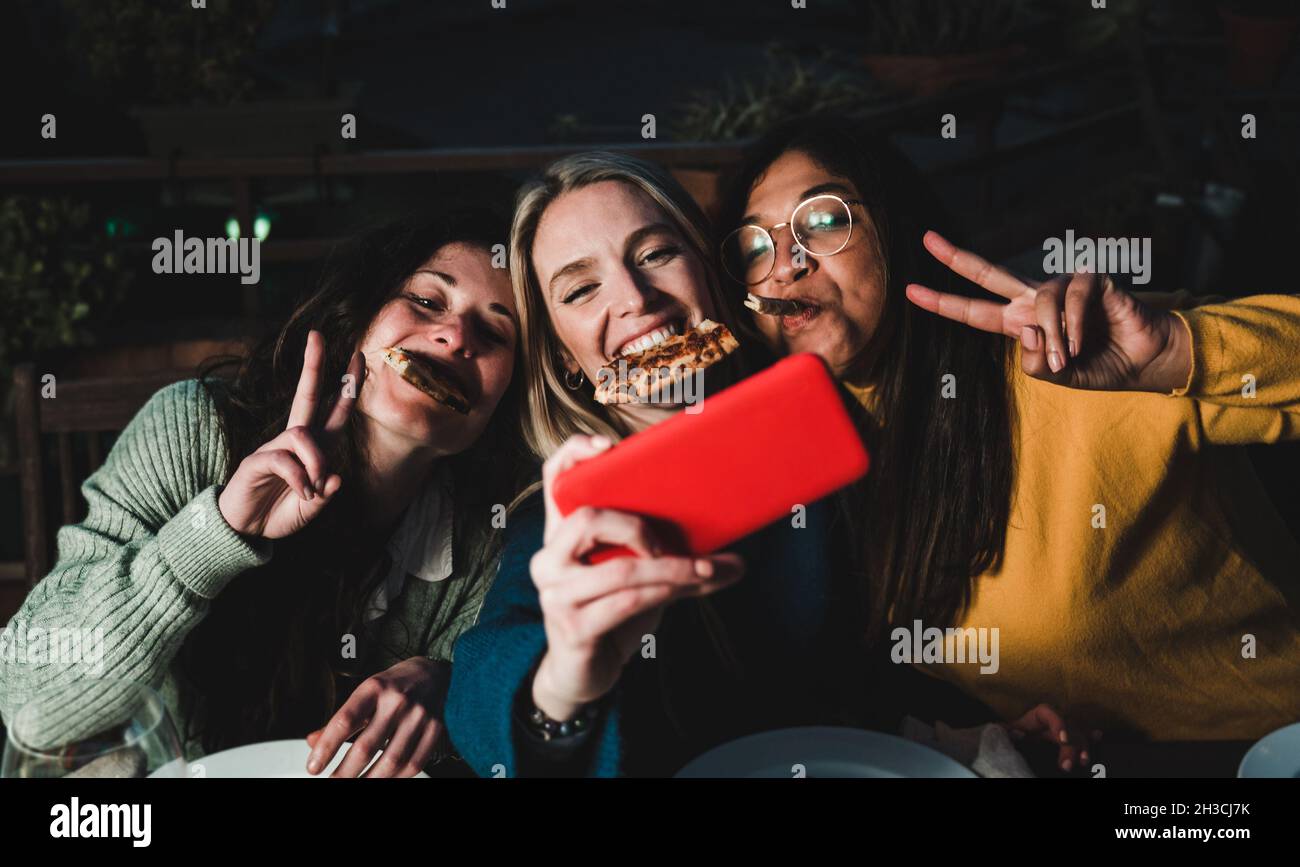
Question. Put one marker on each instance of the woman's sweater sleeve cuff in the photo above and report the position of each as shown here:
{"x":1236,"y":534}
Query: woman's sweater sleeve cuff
{"x":203,"y":551}
{"x":1206,"y":343}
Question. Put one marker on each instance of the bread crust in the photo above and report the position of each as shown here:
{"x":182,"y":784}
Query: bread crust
{"x":426,"y":378}
{"x":642,"y":376}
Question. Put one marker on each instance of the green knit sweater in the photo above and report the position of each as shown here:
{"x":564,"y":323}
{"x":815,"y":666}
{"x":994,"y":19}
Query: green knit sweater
{"x":144,"y":567}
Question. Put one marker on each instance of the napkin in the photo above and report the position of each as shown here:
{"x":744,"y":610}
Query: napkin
{"x":122,"y":763}
{"x":987,"y":750}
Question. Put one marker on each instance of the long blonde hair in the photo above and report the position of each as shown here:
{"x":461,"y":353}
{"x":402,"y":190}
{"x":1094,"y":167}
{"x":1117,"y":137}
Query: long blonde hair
{"x":552,"y":412}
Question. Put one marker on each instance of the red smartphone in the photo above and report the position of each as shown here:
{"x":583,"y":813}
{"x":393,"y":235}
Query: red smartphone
{"x":746,"y":458}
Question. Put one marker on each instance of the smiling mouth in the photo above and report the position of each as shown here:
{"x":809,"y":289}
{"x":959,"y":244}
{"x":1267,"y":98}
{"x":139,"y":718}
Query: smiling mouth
{"x":652,"y":338}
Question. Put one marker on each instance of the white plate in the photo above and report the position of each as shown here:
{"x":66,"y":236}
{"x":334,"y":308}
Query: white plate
{"x":283,"y":759}
{"x":824,"y":752}
{"x":1274,"y":755}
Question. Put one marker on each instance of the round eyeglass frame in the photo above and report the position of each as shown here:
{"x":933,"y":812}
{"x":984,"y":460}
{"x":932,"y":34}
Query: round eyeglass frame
{"x":772,"y":240}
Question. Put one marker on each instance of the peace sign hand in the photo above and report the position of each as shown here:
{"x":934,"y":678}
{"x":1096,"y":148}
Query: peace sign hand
{"x":1081,"y":331}
{"x":286,"y":483}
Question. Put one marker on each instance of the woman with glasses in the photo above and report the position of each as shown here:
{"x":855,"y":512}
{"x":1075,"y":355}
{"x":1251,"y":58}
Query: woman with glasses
{"x":637,"y":665}
{"x":1046,"y":462}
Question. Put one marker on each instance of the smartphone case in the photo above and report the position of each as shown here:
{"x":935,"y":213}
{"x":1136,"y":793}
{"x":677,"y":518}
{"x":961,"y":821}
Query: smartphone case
{"x":753,"y":452}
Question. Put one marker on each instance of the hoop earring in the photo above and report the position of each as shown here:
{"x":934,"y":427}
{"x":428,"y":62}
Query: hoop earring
{"x":571,"y":383}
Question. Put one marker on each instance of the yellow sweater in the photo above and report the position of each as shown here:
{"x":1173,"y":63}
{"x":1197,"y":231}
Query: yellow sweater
{"x":1143,"y":624}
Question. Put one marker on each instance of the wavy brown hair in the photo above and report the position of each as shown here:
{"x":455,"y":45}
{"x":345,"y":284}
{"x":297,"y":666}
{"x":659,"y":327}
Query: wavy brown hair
{"x":933,"y":511}
{"x":262,"y":660}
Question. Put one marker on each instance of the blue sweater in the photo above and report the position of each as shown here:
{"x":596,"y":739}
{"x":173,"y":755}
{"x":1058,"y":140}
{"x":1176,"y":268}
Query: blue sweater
{"x":787,"y":625}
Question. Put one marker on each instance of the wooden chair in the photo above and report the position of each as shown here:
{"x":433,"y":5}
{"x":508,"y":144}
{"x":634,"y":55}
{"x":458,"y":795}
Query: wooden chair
{"x":89,"y":407}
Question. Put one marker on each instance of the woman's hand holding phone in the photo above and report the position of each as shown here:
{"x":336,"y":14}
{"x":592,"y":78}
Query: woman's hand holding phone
{"x":596,"y":614}
{"x":286,"y":483}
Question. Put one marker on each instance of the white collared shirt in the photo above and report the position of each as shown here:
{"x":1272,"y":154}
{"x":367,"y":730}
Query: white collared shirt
{"x":421,"y":546}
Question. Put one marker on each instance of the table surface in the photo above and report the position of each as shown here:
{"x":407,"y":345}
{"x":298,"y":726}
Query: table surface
{"x":1168,"y":760}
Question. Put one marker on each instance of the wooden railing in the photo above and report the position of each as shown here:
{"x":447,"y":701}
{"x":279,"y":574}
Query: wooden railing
{"x":1000,"y":237}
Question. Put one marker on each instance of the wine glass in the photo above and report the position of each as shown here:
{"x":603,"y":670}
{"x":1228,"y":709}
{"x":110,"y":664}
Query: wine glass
{"x":95,"y":727}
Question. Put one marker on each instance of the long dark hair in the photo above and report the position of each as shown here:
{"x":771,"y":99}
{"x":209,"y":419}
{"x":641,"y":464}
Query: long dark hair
{"x":933,"y":511}
{"x":262,"y":662}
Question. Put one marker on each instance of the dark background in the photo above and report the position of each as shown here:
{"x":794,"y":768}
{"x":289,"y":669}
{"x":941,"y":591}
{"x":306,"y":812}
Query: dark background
{"x":1117,"y":122}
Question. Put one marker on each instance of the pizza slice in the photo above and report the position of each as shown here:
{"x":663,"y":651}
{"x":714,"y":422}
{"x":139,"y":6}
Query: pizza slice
{"x":426,"y":378}
{"x":642,"y":377}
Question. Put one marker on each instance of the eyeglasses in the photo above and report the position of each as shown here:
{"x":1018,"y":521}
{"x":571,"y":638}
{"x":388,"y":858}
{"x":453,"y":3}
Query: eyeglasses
{"x":821,"y":226}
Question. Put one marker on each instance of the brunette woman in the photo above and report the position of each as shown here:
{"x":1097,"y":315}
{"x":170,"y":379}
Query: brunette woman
{"x":1057,"y":461}
{"x":257,"y":542}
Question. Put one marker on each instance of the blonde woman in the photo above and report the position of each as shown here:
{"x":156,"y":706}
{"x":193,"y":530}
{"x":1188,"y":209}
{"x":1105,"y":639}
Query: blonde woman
{"x":635,"y":666}
{"x":578,"y":669}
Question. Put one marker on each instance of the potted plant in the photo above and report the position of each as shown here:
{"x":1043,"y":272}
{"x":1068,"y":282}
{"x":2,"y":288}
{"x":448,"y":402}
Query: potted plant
{"x":187,"y":72}
{"x":1259,"y":35}
{"x":747,"y":108}
{"x":59,"y":279}
{"x":924,"y":47}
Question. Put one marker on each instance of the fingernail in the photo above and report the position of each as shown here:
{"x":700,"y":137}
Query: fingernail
{"x":313,"y":765}
{"x":1074,"y":348}
{"x":1065,"y":739}
{"x":1066,"y":765}
{"x":703,"y":567}
{"x":1054,"y":361}
{"x":1083,"y":757}
{"x":938,"y":241}
{"x":600,"y":441}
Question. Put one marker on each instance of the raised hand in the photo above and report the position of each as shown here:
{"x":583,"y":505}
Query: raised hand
{"x":286,"y":483}
{"x":1081,"y":331}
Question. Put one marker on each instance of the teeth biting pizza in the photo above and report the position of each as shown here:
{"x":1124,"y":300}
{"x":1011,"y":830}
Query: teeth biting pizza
{"x":426,"y":378}
{"x":642,"y":377}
